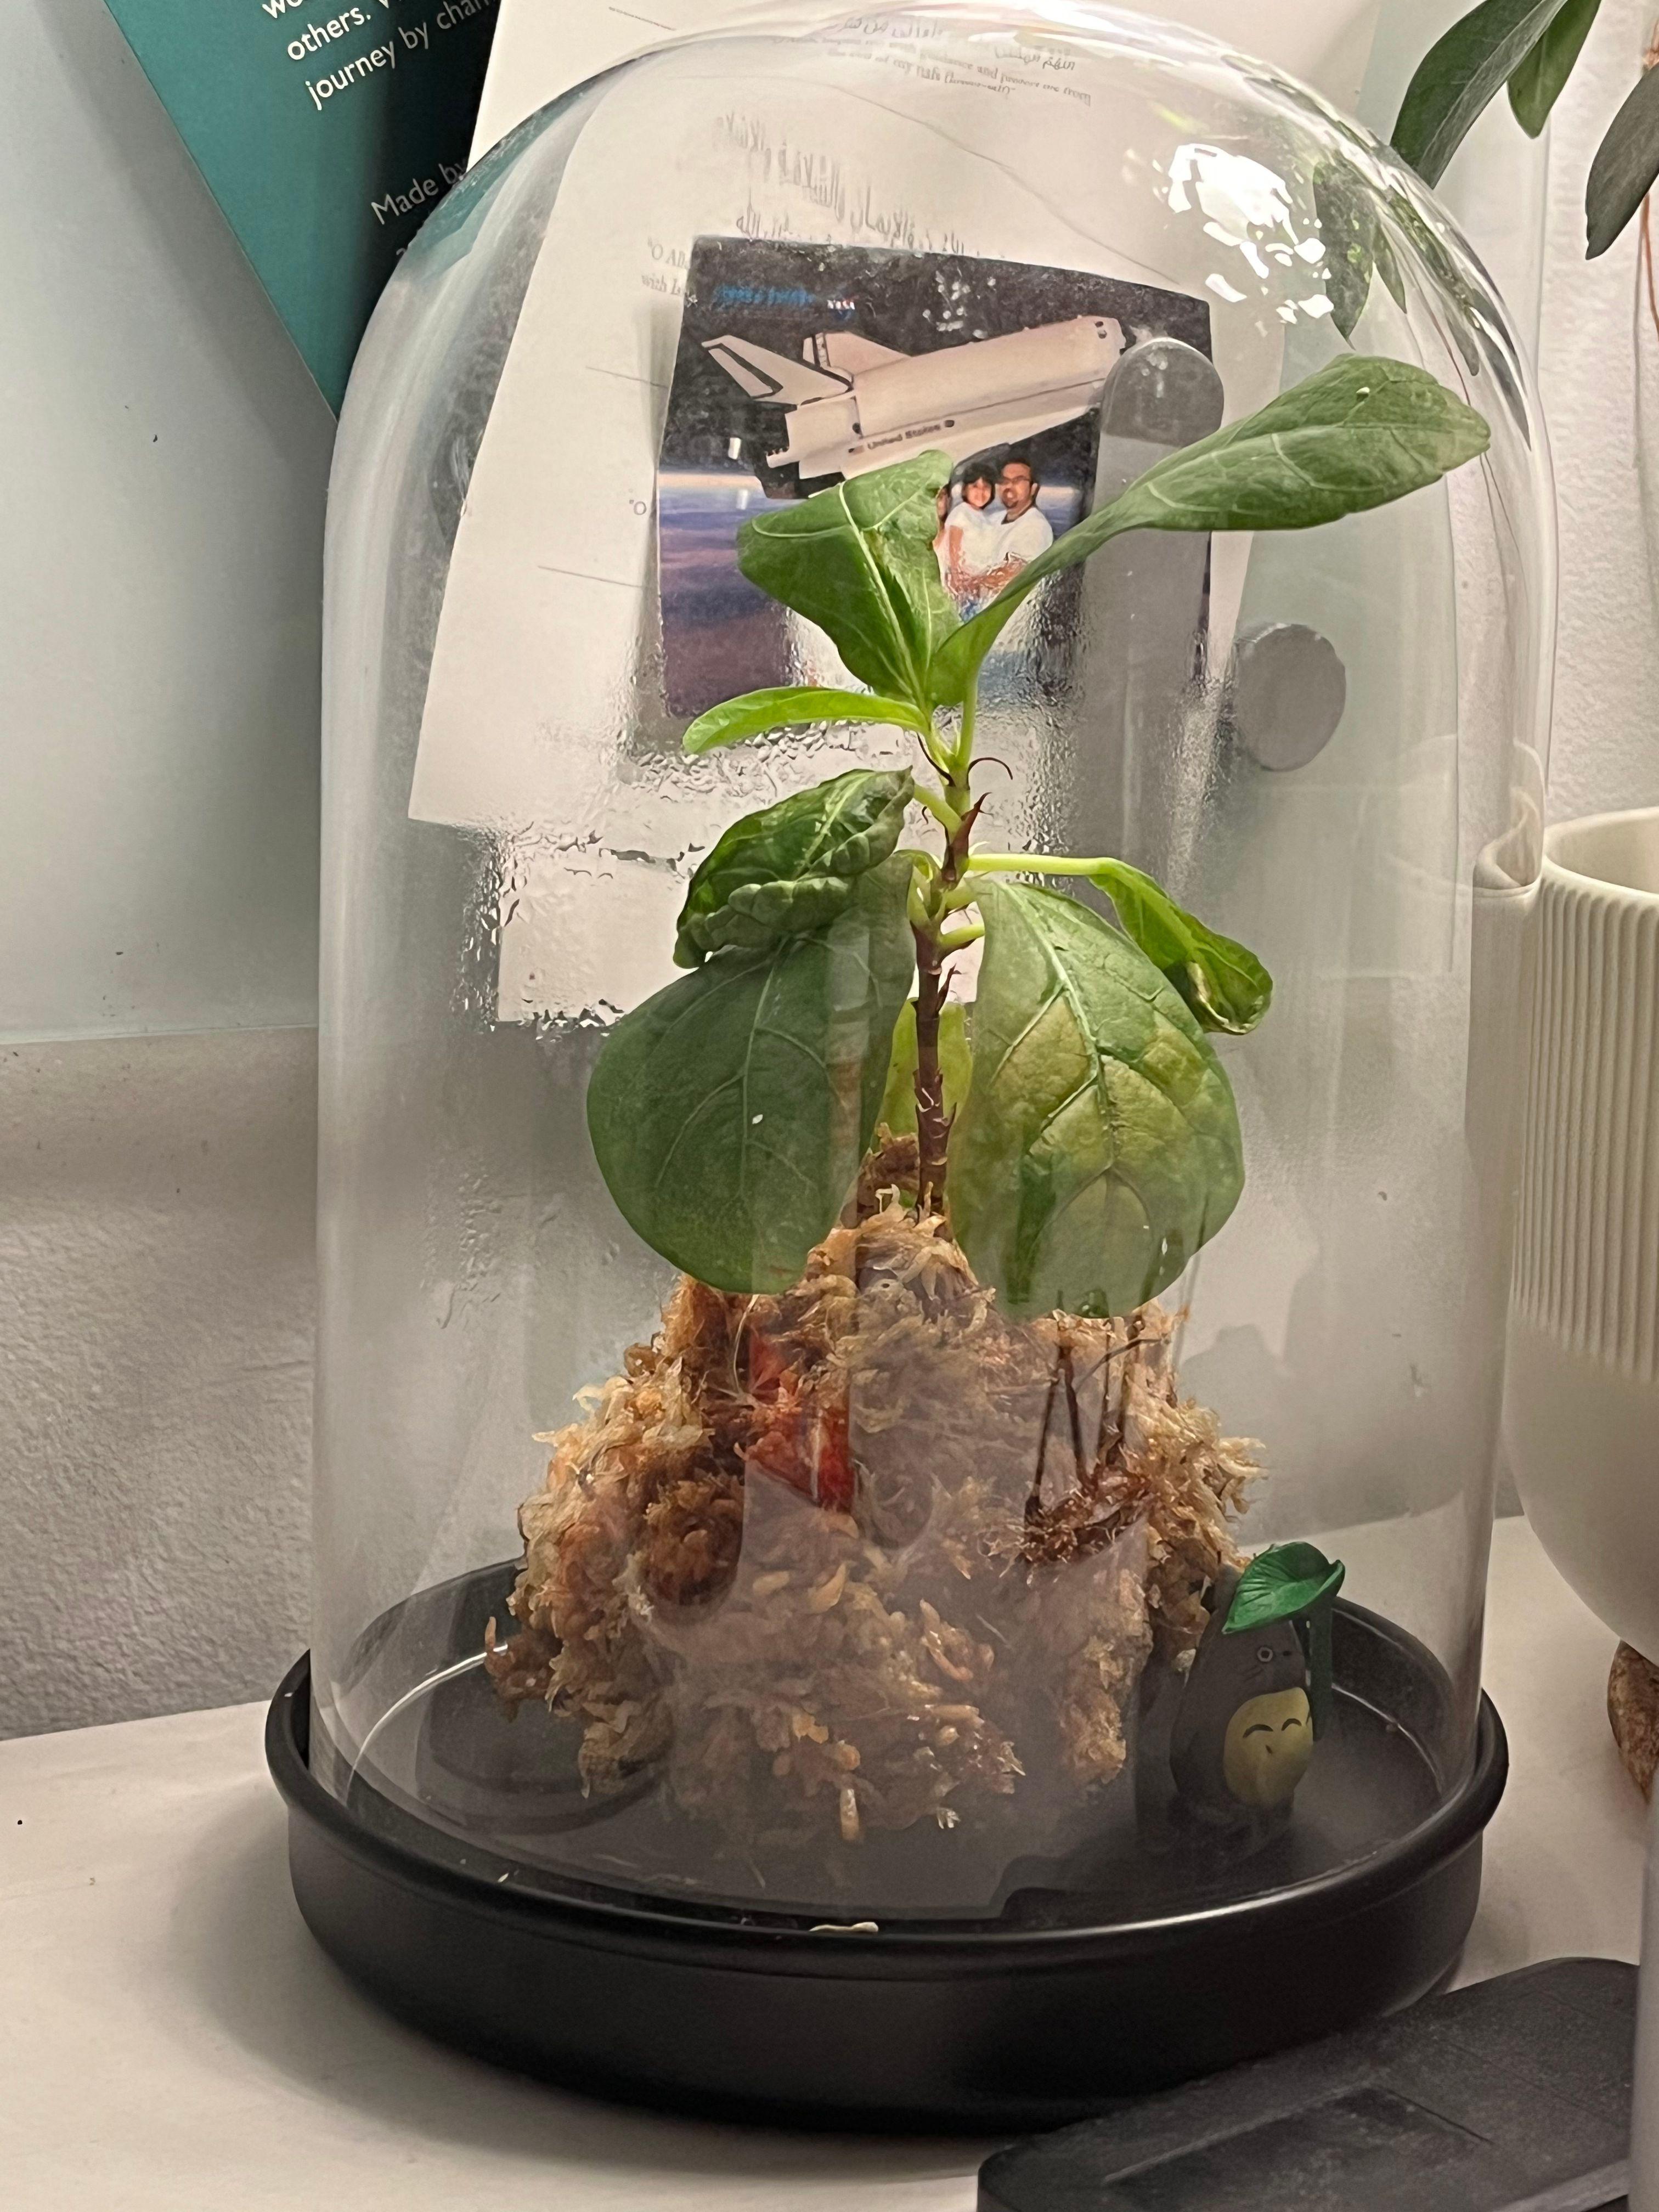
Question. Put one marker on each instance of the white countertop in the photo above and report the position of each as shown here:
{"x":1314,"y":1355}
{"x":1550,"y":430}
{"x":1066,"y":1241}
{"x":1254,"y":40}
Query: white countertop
{"x":172,"y":2040}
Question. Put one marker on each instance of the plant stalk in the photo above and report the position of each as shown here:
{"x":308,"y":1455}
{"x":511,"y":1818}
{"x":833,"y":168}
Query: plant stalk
{"x":933,"y":1125}
{"x":934,"y":945}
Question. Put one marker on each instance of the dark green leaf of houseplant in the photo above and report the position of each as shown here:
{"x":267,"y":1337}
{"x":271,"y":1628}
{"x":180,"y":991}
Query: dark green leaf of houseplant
{"x":1388,"y":268}
{"x":1356,"y":434}
{"x":1223,"y":981}
{"x":1537,"y":84}
{"x":1098,"y":1147}
{"x":791,"y":867}
{"x":793,"y":704}
{"x":858,"y":560}
{"x":730,"y":1112}
{"x":1347,"y":227}
{"x":1626,"y":162}
{"x":1460,"y":73}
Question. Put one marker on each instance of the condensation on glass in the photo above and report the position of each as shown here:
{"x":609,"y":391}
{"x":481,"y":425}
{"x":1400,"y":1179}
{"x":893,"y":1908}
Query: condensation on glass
{"x":744,"y":1692}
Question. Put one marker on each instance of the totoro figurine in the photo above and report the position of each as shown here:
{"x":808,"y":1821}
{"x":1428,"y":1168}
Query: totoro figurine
{"x":1251,"y":1706}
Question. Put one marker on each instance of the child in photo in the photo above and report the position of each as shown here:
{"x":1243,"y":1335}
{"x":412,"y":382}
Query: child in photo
{"x":968,"y":544}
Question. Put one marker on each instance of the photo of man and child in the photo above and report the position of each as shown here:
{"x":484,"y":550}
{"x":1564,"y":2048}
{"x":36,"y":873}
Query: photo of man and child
{"x":990,"y":527}
{"x":800,"y":366}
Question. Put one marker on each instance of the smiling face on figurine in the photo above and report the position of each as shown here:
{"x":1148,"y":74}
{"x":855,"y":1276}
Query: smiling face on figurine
{"x":1269,"y":1743}
{"x":1244,"y":1735}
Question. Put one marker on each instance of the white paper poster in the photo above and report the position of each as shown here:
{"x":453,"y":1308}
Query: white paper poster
{"x":544,"y":46}
{"x":537,"y":700}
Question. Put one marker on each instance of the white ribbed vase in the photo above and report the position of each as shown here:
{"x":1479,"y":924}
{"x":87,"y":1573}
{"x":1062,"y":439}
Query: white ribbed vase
{"x":1581,"y":1394}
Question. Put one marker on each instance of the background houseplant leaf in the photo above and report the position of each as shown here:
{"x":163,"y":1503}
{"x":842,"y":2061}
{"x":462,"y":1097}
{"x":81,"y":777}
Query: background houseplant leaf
{"x":791,"y":867}
{"x":1626,"y":162}
{"x":1347,"y":227}
{"x":756,"y":712}
{"x":1536,"y":85}
{"x":1356,"y":244}
{"x":1388,"y":268}
{"x":898,"y":1104}
{"x":1356,"y":434}
{"x":858,"y":560}
{"x":1460,"y":73}
{"x":729,"y":1113}
{"x":1225,"y":984}
{"x":1098,"y":1147}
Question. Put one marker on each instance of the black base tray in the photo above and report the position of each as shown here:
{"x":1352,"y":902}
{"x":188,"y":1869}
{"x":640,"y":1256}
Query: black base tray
{"x":978,"y":2026}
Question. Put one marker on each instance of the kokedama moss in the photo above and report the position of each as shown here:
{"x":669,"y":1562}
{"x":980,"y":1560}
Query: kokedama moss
{"x":866,"y":1553}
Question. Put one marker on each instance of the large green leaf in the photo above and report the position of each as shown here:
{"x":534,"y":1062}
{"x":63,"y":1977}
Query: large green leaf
{"x":1225,"y":984}
{"x":1626,"y":162}
{"x":756,"y":712}
{"x":729,"y":1113}
{"x":1460,"y":73}
{"x":791,"y":867}
{"x":858,"y":560}
{"x":1537,"y":84}
{"x":898,"y":1102}
{"x":1356,"y":434}
{"x":1099,"y":1144}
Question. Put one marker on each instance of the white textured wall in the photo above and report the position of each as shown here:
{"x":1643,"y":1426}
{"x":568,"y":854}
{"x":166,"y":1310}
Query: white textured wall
{"x":156,"y":1203}
{"x":156,"y":1193}
{"x":160,"y":572}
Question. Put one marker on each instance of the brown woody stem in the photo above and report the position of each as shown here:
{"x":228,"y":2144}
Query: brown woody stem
{"x":932,"y":1127}
{"x":934,"y":947}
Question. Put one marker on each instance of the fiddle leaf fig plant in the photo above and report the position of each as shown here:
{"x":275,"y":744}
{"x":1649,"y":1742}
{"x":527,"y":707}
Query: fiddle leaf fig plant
{"x":1079,"y":1133}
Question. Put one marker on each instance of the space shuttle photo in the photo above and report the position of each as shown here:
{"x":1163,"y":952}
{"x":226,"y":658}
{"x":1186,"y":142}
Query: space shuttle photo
{"x":849,"y":405}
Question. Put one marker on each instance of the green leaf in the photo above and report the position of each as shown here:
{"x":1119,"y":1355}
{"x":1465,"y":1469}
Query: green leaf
{"x":1389,"y":269}
{"x":898,"y":1104}
{"x":1285,"y":1580}
{"x":1098,"y":1147}
{"x":730,"y":1112}
{"x":1358,"y":434}
{"x":1348,"y":228}
{"x":1626,"y":162}
{"x":756,"y":712}
{"x":1459,"y":74}
{"x":1536,"y":85}
{"x":1356,"y":243}
{"x":1223,"y":982}
{"x":858,"y":560}
{"x":1293,"y":1582}
{"x":791,"y":867}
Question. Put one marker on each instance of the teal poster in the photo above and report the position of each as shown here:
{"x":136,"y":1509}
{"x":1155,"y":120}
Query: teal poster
{"x":327,"y":137}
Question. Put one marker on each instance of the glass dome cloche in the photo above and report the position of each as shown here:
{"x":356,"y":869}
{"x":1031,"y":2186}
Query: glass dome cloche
{"x":938,"y":648}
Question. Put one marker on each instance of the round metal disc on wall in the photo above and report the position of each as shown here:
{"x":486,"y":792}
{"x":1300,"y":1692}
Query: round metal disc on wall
{"x":1287,"y":688}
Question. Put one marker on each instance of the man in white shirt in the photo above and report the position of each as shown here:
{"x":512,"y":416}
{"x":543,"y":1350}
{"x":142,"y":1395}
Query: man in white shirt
{"x":1024,"y":531}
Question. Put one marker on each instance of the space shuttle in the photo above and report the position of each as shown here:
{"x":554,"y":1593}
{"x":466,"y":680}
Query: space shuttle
{"x":850,"y":405}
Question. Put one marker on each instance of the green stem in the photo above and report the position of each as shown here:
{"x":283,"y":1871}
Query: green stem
{"x":965,"y":753}
{"x":1030,"y":864}
{"x":935,"y":945}
{"x":952,"y":940}
{"x":936,"y":804}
